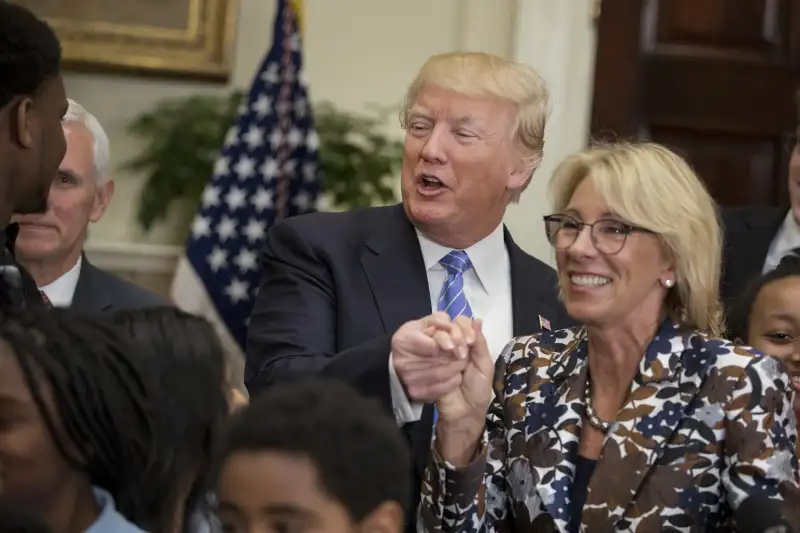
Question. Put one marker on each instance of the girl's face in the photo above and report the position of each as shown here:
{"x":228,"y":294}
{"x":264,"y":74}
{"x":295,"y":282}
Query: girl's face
{"x":774,"y":324}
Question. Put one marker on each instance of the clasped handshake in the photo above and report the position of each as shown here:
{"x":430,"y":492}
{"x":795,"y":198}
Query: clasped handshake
{"x":447,"y":363}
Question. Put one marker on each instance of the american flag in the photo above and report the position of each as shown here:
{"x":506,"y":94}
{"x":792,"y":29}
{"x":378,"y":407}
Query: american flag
{"x":267,"y":170}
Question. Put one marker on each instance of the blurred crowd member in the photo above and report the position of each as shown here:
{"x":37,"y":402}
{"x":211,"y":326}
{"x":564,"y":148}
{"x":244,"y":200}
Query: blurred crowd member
{"x":50,"y":243}
{"x":767,"y":316}
{"x":12,"y":520}
{"x":76,"y":425}
{"x":32,"y":102}
{"x":194,"y":396}
{"x":343,"y":293}
{"x":642,"y":420}
{"x":758,"y":237}
{"x":312,"y":456}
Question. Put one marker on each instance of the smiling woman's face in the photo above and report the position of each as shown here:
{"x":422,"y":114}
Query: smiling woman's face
{"x":774,"y":323}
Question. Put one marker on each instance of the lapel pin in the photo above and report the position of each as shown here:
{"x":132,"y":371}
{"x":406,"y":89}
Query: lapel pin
{"x":544,"y":323}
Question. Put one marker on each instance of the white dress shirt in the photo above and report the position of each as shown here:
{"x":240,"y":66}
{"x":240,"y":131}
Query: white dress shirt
{"x":61,"y":291}
{"x":787,"y":239}
{"x":487,"y":286}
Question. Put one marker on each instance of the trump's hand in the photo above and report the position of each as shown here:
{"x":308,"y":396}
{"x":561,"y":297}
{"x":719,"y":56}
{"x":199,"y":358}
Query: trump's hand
{"x":430,"y":354}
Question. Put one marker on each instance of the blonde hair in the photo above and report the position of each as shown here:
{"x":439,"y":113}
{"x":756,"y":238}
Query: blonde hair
{"x":652,"y":187}
{"x":479,"y":75}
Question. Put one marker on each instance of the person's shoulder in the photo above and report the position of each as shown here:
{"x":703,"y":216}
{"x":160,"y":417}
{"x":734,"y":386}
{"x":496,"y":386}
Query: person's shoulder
{"x":732,"y":217}
{"x":545,"y":345}
{"x":126,"y":294}
{"x":326,"y":223}
{"x":339,"y":234}
{"x":733,"y":360}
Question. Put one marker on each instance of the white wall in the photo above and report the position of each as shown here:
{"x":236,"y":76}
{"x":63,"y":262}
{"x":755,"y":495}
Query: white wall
{"x":361,"y":52}
{"x":558,"y":40}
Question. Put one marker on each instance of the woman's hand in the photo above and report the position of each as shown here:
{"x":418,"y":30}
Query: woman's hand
{"x":462,"y":411}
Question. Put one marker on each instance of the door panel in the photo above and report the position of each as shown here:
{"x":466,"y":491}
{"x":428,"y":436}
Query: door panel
{"x":712,"y":79}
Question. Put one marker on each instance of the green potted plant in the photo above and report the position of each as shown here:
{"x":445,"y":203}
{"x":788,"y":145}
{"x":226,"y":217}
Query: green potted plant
{"x":183,"y":138}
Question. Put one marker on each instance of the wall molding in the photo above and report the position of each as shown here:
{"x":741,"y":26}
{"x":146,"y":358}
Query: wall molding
{"x":139,"y":258}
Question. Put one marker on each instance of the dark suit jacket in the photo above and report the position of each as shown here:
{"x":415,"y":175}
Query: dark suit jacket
{"x":100,"y":291}
{"x":748,"y":233}
{"x":336,"y":287}
{"x":18,"y":289}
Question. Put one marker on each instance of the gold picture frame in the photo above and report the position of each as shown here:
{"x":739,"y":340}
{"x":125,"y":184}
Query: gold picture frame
{"x":172,"y":38}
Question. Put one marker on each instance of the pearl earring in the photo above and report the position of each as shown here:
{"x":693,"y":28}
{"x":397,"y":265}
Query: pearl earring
{"x":669,"y":283}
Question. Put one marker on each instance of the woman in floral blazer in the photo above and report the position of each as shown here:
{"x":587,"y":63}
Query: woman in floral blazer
{"x":643,"y":419}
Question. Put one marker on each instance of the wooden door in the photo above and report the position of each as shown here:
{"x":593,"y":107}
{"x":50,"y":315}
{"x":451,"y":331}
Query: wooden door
{"x":712,"y":79}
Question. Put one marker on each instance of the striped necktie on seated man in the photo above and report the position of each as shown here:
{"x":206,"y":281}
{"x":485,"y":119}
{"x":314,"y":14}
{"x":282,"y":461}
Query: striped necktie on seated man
{"x":452,"y":300}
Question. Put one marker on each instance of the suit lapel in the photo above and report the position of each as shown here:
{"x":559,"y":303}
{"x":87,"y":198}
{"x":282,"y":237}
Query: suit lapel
{"x":659,"y":397}
{"x":553,"y":448}
{"x":532,"y":297}
{"x":392,"y":261}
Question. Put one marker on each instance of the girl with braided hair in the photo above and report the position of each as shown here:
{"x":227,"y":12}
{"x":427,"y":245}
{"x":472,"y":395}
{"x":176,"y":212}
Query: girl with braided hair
{"x":194,"y":391}
{"x":76,"y":427}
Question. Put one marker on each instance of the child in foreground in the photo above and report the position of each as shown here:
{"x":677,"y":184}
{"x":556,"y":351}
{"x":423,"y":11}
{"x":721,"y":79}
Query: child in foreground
{"x":312,"y":456}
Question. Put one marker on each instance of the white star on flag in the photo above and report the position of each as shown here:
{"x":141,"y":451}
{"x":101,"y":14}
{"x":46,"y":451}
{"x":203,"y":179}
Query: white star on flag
{"x":237,"y":290}
{"x":262,"y":106}
{"x":246,"y":260}
{"x":245,"y":168}
{"x":201,"y":227}
{"x":221,"y":166}
{"x":262,"y":200}
{"x":312,"y":141}
{"x":226,"y":228}
{"x":255,"y":230}
{"x":269,"y":170}
{"x":255,"y":183}
{"x":232,"y":137}
{"x":271,"y":74}
{"x":210,"y":196}
{"x":254,"y":137}
{"x":236,"y":198}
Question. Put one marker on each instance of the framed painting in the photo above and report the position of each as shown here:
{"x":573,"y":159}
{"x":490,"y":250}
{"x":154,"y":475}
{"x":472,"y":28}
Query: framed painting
{"x":174,"y":38}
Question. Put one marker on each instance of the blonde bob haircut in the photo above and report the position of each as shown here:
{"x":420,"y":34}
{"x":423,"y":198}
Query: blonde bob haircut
{"x":650,"y":186}
{"x":479,"y":75}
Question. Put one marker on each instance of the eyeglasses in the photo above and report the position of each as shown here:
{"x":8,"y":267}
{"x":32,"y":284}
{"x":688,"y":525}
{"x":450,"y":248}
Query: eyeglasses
{"x":608,"y":236}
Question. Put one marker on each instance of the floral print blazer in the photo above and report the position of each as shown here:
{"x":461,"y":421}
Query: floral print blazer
{"x":706,"y":424}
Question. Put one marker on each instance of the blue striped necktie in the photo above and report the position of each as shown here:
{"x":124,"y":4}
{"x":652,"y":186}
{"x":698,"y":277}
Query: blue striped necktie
{"x":453,"y":301}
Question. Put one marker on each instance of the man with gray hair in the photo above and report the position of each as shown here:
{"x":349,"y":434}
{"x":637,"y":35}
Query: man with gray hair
{"x":50,"y":244}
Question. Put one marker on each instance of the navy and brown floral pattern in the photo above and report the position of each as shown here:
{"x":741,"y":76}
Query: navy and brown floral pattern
{"x":707,"y":423}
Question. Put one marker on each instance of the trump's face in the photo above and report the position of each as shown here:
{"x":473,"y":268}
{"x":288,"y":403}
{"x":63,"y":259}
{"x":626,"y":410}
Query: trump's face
{"x":460,"y":165}
{"x":600,"y":289}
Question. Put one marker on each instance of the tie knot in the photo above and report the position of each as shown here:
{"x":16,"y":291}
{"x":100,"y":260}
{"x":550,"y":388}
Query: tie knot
{"x":456,"y":262}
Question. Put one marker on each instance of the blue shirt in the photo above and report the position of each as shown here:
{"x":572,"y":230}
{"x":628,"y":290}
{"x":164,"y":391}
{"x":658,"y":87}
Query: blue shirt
{"x":109,"y":520}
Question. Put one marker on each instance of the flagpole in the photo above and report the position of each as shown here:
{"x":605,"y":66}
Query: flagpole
{"x":297,"y":7}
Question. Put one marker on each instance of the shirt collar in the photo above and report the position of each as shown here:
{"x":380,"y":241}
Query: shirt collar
{"x":483,"y":255}
{"x":61,"y":291}
{"x":788,"y":236}
{"x":109,"y":520}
